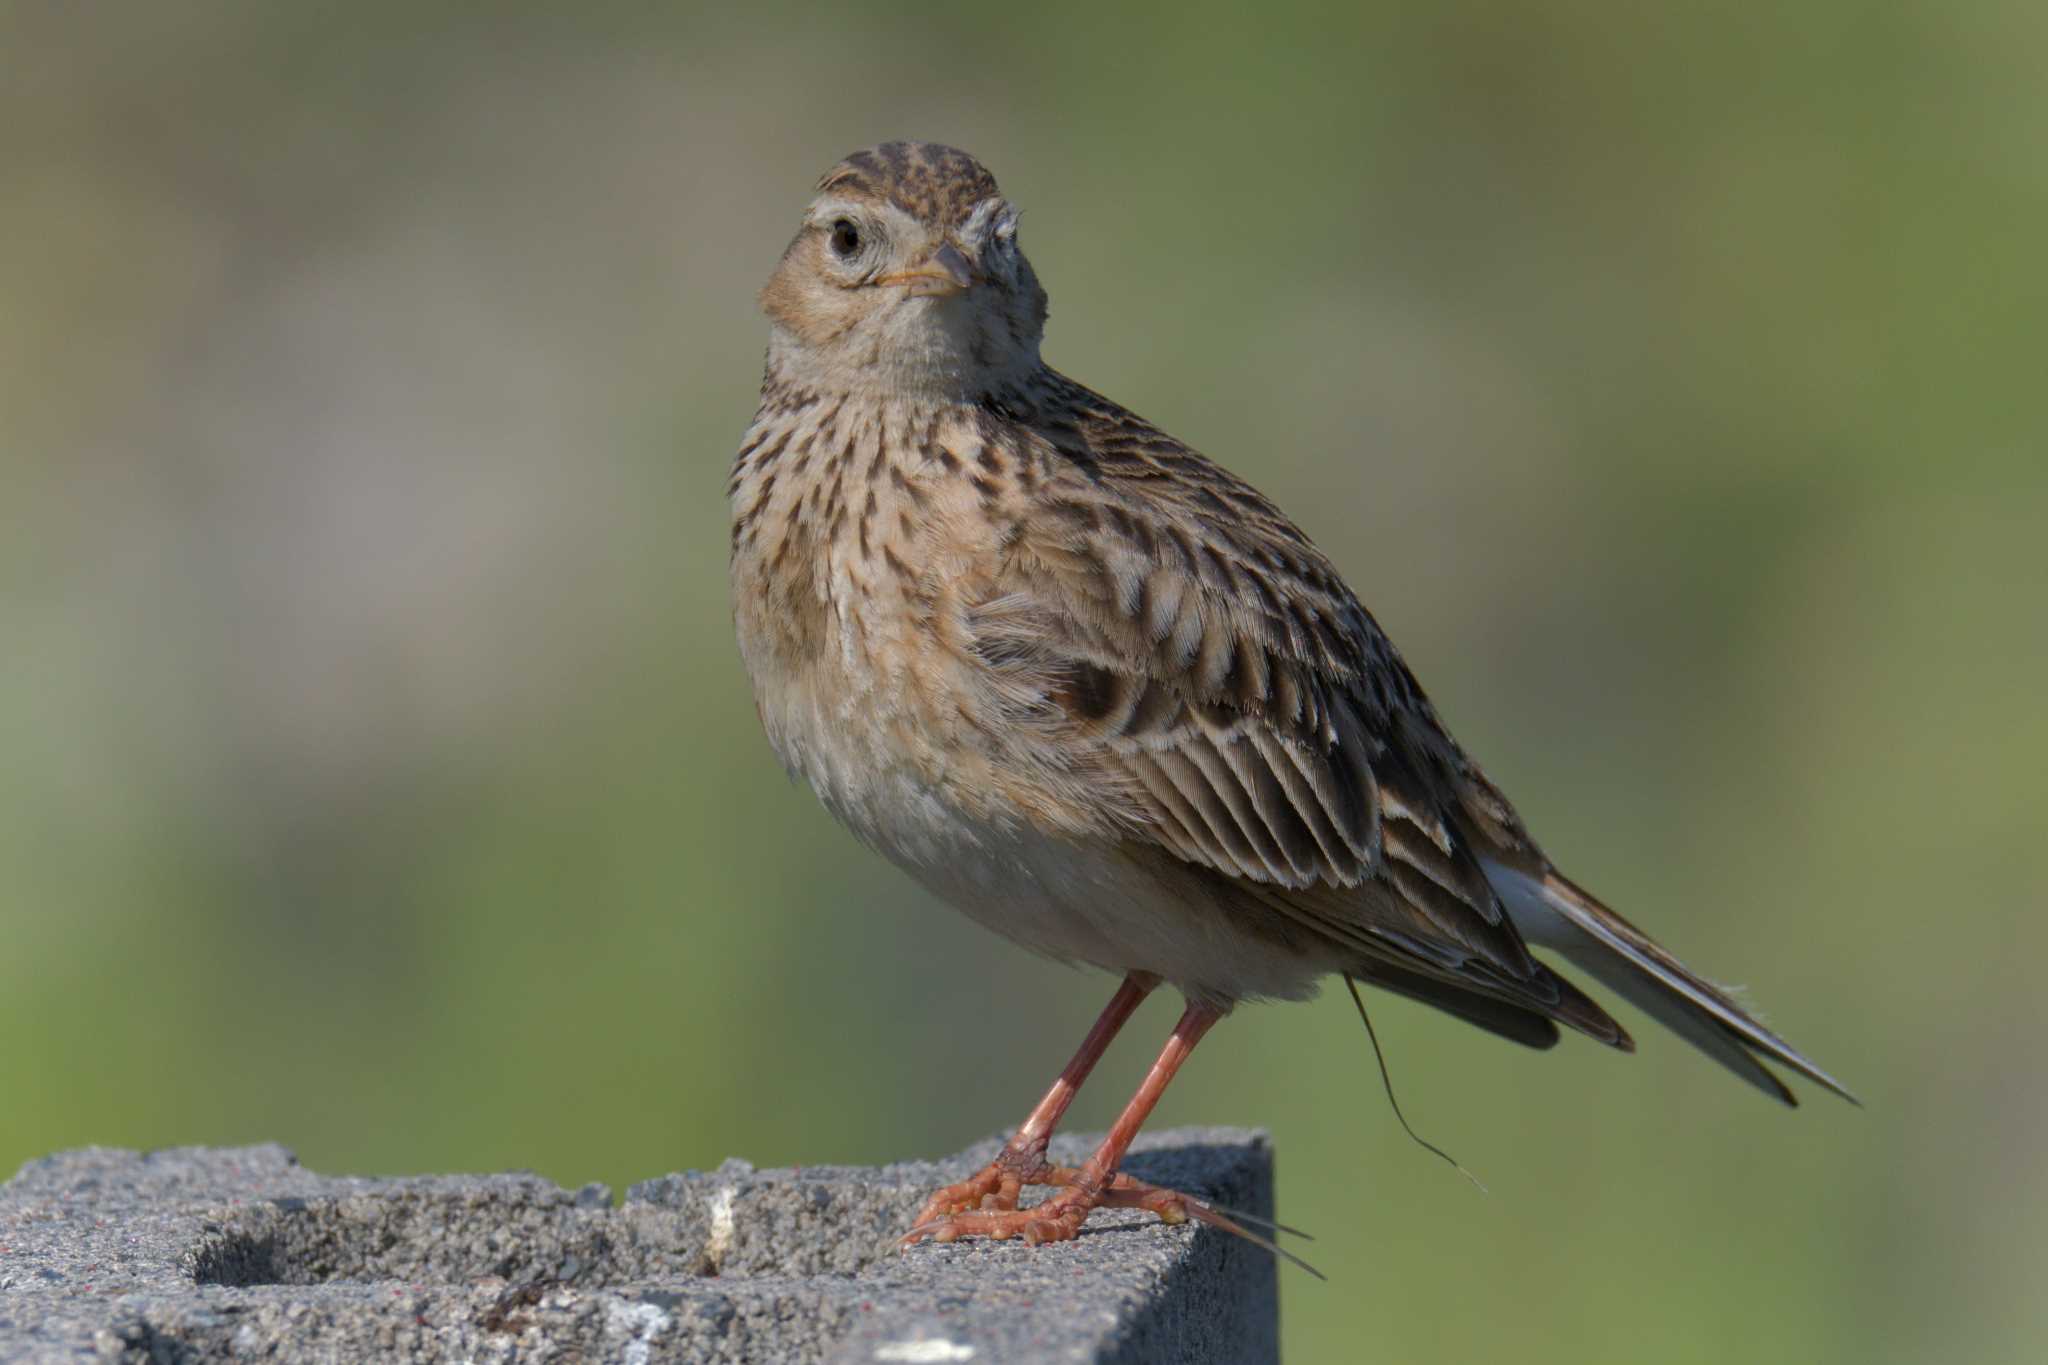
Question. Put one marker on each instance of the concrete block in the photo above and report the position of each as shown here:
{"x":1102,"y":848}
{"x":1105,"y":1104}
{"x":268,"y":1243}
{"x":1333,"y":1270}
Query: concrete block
{"x":202,"y":1254}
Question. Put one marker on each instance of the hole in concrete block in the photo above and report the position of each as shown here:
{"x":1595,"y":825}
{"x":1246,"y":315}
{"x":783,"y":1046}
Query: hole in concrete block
{"x":520,"y":1234}
{"x":737,"y":1225}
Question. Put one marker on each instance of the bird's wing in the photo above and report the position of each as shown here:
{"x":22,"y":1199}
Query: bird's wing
{"x":1224,"y":695}
{"x":1255,"y":722}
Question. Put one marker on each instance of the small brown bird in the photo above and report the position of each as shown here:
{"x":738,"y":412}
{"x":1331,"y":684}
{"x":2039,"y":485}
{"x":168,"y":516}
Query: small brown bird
{"x":1102,"y":696}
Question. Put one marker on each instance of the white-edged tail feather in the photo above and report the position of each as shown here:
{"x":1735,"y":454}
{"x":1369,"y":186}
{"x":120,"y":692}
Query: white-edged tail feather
{"x":1552,"y":912}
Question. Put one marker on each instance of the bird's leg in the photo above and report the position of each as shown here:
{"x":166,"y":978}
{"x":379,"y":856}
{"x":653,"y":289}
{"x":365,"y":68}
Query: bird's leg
{"x":1095,"y":1183}
{"x":1022,"y":1160}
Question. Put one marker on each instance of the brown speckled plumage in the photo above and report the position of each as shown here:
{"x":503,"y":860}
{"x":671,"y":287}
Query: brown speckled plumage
{"x":1096,"y":690}
{"x":934,"y":184}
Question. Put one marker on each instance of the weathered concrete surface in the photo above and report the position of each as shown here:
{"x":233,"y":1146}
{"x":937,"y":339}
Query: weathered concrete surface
{"x":209,"y":1254}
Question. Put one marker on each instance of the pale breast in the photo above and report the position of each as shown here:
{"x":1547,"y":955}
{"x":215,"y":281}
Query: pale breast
{"x":866,"y":542}
{"x":843,"y":527}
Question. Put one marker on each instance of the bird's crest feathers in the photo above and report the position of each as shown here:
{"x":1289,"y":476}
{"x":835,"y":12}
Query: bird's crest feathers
{"x":934,"y":183}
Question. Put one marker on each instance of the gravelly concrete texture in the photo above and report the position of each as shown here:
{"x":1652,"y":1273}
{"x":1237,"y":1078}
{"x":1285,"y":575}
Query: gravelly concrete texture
{"x":201,"y":1254}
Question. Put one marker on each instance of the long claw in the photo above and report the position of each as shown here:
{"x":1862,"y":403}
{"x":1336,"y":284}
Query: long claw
{"x":1216,"y":1219}
{"x":1067,"y":1175}
{"x":1243,"y":1217}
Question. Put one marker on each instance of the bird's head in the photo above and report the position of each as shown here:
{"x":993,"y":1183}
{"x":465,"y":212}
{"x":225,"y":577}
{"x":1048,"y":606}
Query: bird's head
{"x":906,"y":274}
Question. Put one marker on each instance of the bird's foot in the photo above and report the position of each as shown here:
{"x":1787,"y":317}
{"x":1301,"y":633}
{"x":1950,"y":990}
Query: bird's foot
{"x":1056,"y":1219}
{"x":1126,"y":1192}
{"x":994,"y":1187}
{"x":985,"y":1205}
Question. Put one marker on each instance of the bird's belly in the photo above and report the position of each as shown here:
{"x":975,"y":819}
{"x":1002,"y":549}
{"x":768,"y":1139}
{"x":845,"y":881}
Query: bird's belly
{"x":1074,"y":900}
{"x":1091,"y":903}
{"x":1009,"y":880}
{"x":1048,"y":896}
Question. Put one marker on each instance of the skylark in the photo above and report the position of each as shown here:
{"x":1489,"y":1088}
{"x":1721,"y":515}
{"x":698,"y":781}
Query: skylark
{"x":1102,"y":696}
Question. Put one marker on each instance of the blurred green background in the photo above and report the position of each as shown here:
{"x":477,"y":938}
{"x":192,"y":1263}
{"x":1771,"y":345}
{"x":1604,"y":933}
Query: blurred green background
{"x":379,"y":776}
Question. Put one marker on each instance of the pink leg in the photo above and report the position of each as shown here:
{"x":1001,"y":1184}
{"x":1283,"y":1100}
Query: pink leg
{"x":1022,"y":1160}
{"x":1096,"y":1182}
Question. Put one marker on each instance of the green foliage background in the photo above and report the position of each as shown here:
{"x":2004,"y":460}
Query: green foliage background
{"x":377,"y":774}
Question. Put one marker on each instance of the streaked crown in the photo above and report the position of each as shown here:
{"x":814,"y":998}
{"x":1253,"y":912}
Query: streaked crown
{"x":932,"y":182}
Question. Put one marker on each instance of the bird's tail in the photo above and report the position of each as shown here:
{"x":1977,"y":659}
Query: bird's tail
{"x":1552,"y":912}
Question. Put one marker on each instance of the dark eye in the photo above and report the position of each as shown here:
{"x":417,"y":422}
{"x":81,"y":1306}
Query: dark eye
{"x":845,"y":238}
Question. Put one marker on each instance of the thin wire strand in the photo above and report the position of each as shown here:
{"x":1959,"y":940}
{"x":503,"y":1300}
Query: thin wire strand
{"x":1388,"y":1081}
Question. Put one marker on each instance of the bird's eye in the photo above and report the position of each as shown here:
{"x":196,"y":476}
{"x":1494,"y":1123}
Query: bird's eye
{"x":845,"y":239}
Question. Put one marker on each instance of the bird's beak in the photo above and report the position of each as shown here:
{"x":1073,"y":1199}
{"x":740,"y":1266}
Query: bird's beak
{"x":946,"y":271}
